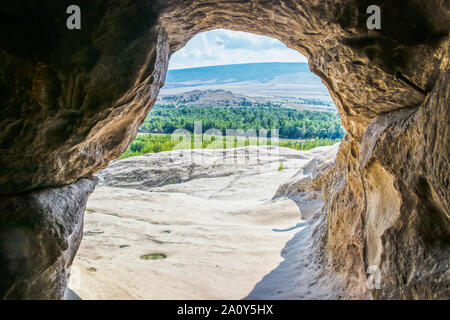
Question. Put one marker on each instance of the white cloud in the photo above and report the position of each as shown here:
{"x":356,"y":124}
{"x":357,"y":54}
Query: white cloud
{"x":218,"y":47}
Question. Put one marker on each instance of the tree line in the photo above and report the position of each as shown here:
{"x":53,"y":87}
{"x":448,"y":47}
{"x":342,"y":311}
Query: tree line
{"x":291,"y":123}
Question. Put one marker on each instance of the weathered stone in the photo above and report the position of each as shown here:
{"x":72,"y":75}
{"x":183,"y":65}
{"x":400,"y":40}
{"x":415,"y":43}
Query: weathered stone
{"x":40,"y":232}
{"x":73,"y":100}
{"x":389,"y":208}
{"x":78,"y":97}
{"x":411,"y":211}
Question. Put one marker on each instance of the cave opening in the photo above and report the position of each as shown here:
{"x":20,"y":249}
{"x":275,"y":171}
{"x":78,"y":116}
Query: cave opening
{"x":204,"y":200}
{"x":75,"y":100}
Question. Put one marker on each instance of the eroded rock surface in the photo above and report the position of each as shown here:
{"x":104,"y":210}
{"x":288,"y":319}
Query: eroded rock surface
{"x":382,"y":208}
{"x":219,"y":228}
{"x":78,"y":97}
{"x":73,"y":100}
{"x":40,"y":233}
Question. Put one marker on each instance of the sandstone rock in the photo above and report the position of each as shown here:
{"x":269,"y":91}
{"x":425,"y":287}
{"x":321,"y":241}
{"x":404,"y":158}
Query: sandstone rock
{"x":313,"y":174}
{"x":219,"y":228}
{"x":165,"y":168}
{"x":73,"y":100}
{"x":388,"y":208}
{"x":406,"y":179}
{"x":40,"y":232}
{"x":80,"y":96}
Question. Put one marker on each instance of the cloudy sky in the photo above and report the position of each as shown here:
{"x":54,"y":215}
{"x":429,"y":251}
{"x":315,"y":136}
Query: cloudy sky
{"x":218,"y":47}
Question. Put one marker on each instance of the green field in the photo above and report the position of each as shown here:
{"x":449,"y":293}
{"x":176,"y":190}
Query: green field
{"x":153,"y":143}
{"x":299,"y":130}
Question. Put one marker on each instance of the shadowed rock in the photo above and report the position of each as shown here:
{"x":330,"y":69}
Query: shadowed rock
{"x":40,"y":233}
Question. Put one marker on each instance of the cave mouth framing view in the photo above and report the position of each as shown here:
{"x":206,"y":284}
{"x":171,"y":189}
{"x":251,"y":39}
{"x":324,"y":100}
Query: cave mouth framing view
{"x":78,"y":81}
{"x":211,"y":219}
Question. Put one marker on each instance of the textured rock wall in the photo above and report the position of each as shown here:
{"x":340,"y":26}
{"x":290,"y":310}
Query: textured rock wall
{"x":389,"y":207}
{"x":77,"y":97}
{"x":413,"y":153}
{"x":40,"y":233}
{"x":73,"y":100}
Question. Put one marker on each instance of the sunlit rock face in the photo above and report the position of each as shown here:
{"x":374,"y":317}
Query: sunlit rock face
{"x":73,"y":100}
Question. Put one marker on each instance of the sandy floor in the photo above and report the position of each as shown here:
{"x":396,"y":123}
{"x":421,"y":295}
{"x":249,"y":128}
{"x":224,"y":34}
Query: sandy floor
{"x":221,"y":235}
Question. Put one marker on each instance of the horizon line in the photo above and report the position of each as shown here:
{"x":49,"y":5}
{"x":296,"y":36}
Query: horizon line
{"x":235,"y":64}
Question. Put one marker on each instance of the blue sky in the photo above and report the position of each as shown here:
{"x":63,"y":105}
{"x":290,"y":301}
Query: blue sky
{"x":218,"y":47}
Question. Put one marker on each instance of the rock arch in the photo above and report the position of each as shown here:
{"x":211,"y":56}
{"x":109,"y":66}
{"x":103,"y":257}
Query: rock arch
{"x":72,"y":100}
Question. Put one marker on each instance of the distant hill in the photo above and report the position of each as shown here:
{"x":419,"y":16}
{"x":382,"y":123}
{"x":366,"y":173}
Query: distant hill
{"x":262,"y":72}
{"x":272,"y":79}
{"x":210,"y":98}
{"x":225,"y":98}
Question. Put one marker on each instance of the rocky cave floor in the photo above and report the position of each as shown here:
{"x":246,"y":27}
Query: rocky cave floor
{"x":203,"y":228}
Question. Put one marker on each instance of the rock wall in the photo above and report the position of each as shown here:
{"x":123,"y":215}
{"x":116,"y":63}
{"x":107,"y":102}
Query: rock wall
{"x":388,"y":208}
{"x":40,"y":233}
{"x":73,"y":100}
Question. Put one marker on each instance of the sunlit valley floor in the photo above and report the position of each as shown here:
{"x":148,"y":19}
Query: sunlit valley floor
{"x":163,"y":226}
